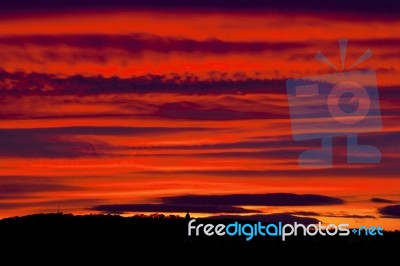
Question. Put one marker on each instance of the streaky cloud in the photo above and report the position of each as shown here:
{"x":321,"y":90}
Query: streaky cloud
{"x":273,"y":218}
{"x":381,"y":200}
{"x":271,"y":199}
{"x":123,"y":208}
{"x":139,"y":43}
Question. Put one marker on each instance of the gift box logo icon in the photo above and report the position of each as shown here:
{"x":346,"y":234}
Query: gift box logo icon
{"x":343,"y":103}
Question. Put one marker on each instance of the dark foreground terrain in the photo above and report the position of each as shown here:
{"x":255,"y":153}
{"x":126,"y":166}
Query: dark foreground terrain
{"x":111,"y":236}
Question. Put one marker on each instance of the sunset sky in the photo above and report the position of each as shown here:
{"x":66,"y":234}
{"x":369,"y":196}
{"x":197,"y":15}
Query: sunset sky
{"x":129,"y":108}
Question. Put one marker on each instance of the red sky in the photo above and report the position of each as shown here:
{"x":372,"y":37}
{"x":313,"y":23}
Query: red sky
{"x":131,"y":106}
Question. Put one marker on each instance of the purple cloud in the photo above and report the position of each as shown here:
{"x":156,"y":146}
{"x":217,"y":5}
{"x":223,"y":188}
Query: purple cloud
{"x":272,"y":199}
{"x":52,"y":142}
{"x":370,"y":8}
{"x":141,"y":43}
{"x":24,"y":84}
{"x":390,"y":211}
{"x":381,"y":200}
{"x":123,"y":208}
{"x":269,"y":218}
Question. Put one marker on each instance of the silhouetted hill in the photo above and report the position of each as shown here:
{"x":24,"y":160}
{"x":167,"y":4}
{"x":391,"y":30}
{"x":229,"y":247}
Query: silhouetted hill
{"x":113,"y":235}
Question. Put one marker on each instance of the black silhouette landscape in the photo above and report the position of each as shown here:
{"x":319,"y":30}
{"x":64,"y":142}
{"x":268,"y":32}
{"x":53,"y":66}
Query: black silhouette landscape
{"x":110,"y":235}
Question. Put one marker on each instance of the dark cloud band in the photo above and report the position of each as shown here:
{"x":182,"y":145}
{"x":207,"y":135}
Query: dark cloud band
{"x":357,"y":6}
{"x":273,"y":199}
{"x":391,"y":211}
{"x":123,"y":208}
